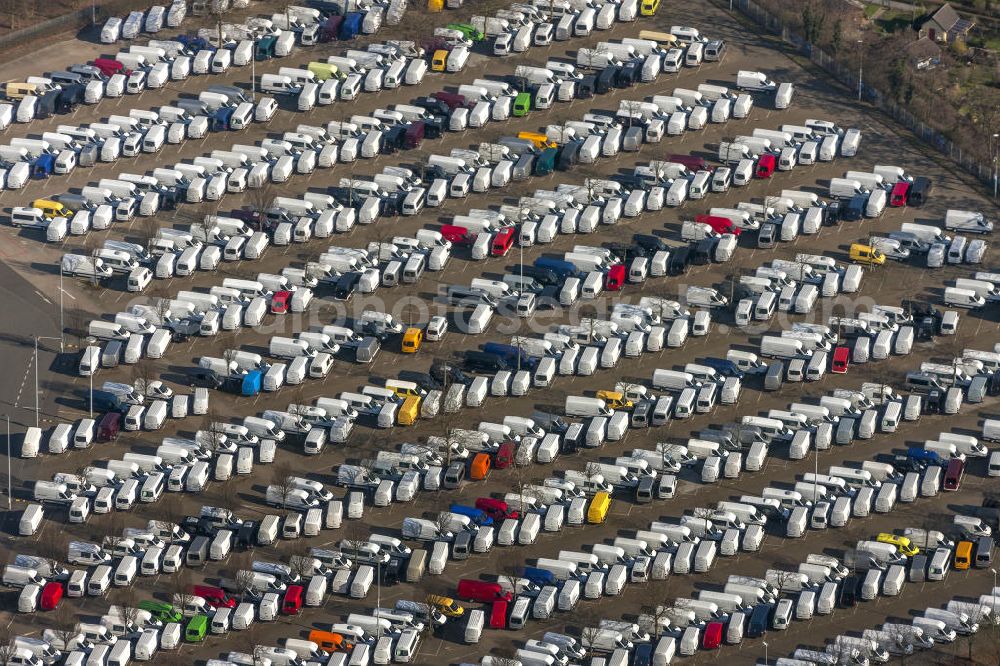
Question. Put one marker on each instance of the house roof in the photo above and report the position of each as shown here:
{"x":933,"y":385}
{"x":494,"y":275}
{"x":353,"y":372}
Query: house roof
{"x":946,"y":17}
{"x":922,"y":49}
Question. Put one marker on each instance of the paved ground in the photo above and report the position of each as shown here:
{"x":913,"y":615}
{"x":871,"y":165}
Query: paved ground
{"x":31,"y":286}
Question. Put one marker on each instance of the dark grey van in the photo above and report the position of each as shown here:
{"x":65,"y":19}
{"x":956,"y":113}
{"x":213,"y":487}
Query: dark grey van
{"x":845,"y":430}
{"x":453,"y":475}
{"x":977,"y":389}
{"x":918,"y":568}
{"x":642,"y":414}
{"x":715,"y":50}
{"x":774,"y":378}
{"x":984,"y":552}
{"x":197,"y":552}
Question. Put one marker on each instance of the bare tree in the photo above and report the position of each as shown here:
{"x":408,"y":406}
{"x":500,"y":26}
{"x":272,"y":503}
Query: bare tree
{"x":281,"y":480}
{"x":127,"y":601}
{"x":182,"y":588}
{"x":7,"y":649}
{"x":355,"y":537}
{"x":114,"y":526}
{"x":66,"y":626}
{"x":244,"y":575}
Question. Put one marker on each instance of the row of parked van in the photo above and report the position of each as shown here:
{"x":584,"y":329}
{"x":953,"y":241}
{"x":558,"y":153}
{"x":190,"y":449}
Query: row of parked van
{"x":899,"y":639}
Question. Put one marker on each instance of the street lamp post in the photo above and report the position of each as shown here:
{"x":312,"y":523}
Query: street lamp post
{"x":764,"y":643}
{"x":62,"y":326}
{"x":861,"y":66}
{"x":37,"y":407}
{"x":10,"y":479}
{"x":996,"y":149}
{"x":994,"y":611}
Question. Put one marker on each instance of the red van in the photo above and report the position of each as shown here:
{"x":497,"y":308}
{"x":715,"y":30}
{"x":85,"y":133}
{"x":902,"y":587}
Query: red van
{"x":414,"y":135}
{"x":457,"y":235}
{"x":720,"y":225}
{"x":108,"y":67}
{"x":692,"y":162}
{"x":496,"y":509}
{"x":504,"y":457}
{"x":480,"y":590}
{"x":953,"y":474}
{"x":498,"y":615}
{"x":452,"y":100}
{"x":900,"y":191}
{"x":712,"y":637}
{"x":292,"y":603}
{"x":280,"y":300}
{"x":52,"y":594}
{"x":215,"y":596}
{"x":765,"y":166}
{"x":614,"y":280}
{"x":841,"y":360}
{"x":502,"y":242}
{"x":109,"y":427}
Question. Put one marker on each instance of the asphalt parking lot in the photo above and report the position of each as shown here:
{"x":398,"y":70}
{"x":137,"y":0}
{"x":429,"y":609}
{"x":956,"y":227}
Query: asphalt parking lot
{"x":30,"y":268}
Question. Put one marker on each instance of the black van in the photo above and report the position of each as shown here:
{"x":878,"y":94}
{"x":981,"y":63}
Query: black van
{"x":628,"y":74}
{"x":606,"y":79}
{"x":849,"y":591}
{"x":679,"y":260}
{"x":585,"y":87}
{"x":703,"y":251}
{"x":569,"y":156}
{"x":919,"y":190}
{"x":477,"y":361}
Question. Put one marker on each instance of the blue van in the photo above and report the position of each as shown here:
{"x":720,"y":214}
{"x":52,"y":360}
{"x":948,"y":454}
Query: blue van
{"x":855,"y":208}
{"x":478,"y":516}
{"x":563,"y":269}
{"x":510,"y":354}
{"x":540,"y":577}
{"x":723,"y":367}
{"x":760,"y":618}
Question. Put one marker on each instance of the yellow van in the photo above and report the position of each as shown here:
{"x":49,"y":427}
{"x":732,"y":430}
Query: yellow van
{"x":649,"y":7}
{"x":963,"y":555}
{"x":540,"y":140}
{"x":404,"y":389}
{"x":615,"y":400}
{"x":15,"y":91}
{"x":902,"y":543}
{"x":446,"y":605}
{"x":439,"y":61}
{"x":323,"y":70}
{"x":409,"y":411}
{"x":412,"y":339}
{"x":664,"y":39}
{"x":599,"y":506}
{"x":866,"y":254}
{"x":51,"y":208}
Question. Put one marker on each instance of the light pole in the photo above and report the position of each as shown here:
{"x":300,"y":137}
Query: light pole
{"x":861,"y":66}
{"x":996,"y":149}
{"x":10,"y":480}
{"x":37,"y":409}
{"x":764,"y":643}
{"x":62,"y":327}
{"x":993,"y":596}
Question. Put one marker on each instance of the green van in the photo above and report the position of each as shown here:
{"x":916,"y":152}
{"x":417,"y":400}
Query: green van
{"x":196,"y":629}
{"x":161,"y":610}
{"x":522,"y":104}
{"x":469,"y":31}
